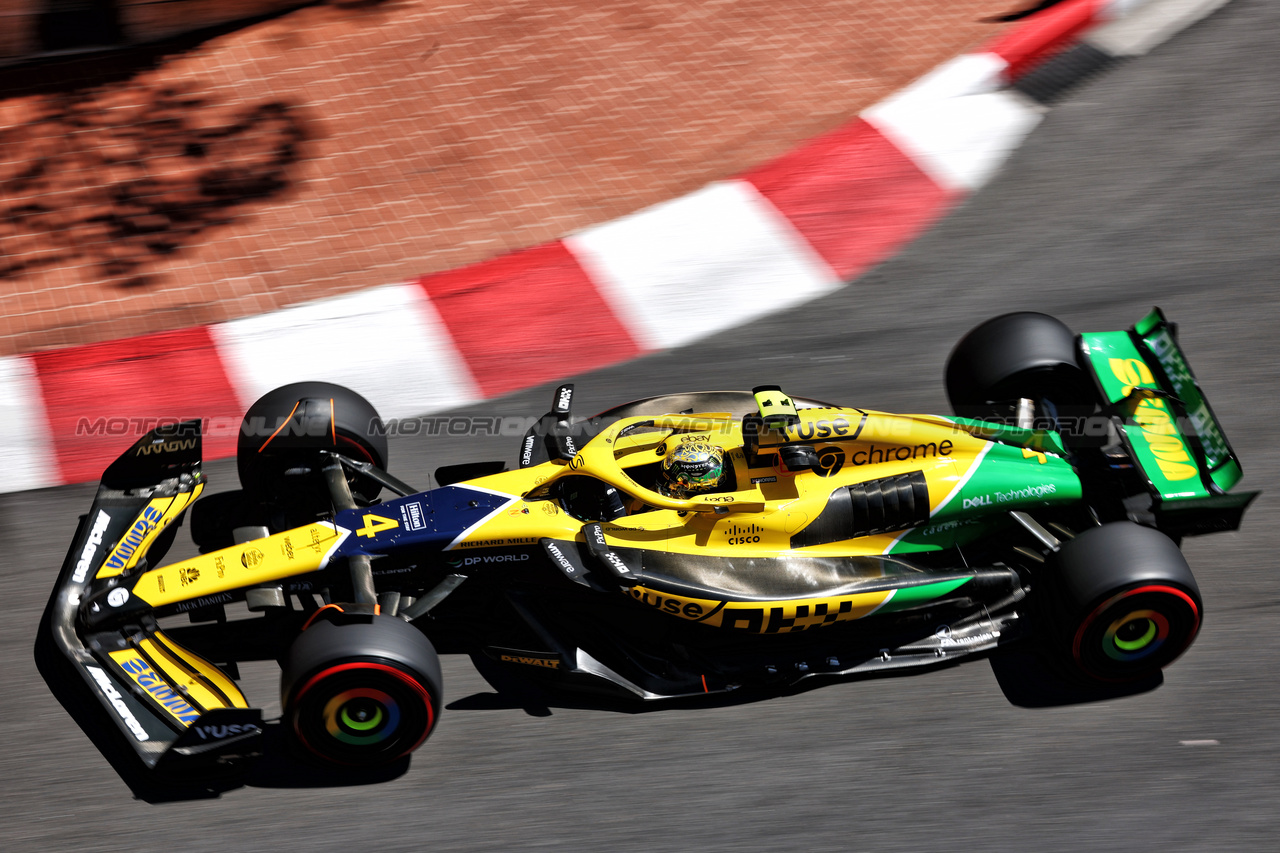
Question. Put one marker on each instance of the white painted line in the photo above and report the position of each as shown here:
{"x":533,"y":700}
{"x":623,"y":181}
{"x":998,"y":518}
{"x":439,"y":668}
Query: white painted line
{"x":453,"y":546}
{"x":387,"y":344}
{"x":955,"y":122}
{"x":1199,"y":743}
{"x":708,"y":261}
{"x":1154,"y":23}
{"x":968,"y":475}
{"x":1114,"y":9}
{"x":970,"y":74}
{"x":27,"y":458}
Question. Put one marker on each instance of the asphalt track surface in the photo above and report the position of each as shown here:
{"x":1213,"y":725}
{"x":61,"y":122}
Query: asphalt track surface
{"x":1156,"y":184}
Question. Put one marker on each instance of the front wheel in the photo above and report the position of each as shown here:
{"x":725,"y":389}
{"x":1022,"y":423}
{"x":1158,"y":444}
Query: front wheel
{"x":361,"y":693}
{"x":287,"y":429}
{"x":1126,"y":604}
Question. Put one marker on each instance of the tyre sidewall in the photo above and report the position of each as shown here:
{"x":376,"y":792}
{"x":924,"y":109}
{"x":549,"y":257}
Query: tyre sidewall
{"x":1124,"y":602}
{"x":1024,"y":354}
{"x":386,"y":661}
{"x":357,"y":427}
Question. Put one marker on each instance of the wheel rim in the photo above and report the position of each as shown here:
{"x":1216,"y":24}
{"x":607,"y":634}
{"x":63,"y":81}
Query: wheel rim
{"x":362,"y":716}
{"x":1135,"y":635}
{"x":1136,"y":632}
{"x":362,"y":713}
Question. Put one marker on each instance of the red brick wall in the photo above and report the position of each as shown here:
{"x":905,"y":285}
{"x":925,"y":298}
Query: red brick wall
{"x":348,"y":145}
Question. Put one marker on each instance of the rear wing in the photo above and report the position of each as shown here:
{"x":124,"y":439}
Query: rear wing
{"x":171,"y":705}
{"x":1166,"y":421}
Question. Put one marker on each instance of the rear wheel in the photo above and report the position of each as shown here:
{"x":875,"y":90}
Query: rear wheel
{"x":1126,"y":603}
{"x":361,"y":693}
{"x":1015,"y":356}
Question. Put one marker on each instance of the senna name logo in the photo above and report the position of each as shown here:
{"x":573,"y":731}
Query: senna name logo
{"x":129,"y":544}
{"x":147,"y":678}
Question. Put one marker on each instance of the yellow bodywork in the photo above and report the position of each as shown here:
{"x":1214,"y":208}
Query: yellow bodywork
{"x":767,"y":506}
{"x":282,"y":555}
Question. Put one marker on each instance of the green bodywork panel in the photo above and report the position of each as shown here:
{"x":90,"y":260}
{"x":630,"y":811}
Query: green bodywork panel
{"x":911,"y":596}
{"x":1006,"y":478}
{"x":1148,"y":357}
{"x":1010,"y":478}
{"x":1039,"y":440}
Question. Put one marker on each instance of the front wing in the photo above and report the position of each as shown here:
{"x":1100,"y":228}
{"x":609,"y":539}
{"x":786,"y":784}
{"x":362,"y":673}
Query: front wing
{"x":171,"y":706}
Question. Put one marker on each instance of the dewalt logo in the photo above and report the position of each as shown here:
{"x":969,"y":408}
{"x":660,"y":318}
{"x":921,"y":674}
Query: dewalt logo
{"x":545,"y":663}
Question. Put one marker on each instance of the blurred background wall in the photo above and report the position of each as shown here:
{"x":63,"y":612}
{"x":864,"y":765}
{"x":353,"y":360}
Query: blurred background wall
{"x":32,"y":28}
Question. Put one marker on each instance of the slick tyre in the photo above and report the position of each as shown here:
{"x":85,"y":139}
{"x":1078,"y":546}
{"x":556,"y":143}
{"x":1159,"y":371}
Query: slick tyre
{"x":361,"y":693}
{"x":1126,"y":604}
{"x":1024,"y":354}
{"x":288,"y":427}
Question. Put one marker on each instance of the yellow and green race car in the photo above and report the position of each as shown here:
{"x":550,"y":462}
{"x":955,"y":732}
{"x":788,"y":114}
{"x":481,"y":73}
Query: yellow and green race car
{"x":799,"y":541}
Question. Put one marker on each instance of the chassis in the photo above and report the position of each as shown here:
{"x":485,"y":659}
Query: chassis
{"x":850,"y":542}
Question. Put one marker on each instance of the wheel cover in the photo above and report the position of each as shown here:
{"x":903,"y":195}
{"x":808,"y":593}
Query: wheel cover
{"x":362,"y":712}
{"x":1136,"y":632}
{"x":362,"y":716}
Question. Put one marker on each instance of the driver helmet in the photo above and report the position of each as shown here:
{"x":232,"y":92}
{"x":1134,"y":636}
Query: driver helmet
{"x":692,"y":468}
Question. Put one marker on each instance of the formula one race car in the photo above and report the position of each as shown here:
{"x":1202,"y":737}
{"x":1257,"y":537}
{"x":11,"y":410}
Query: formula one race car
{"x":833,"y":541}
